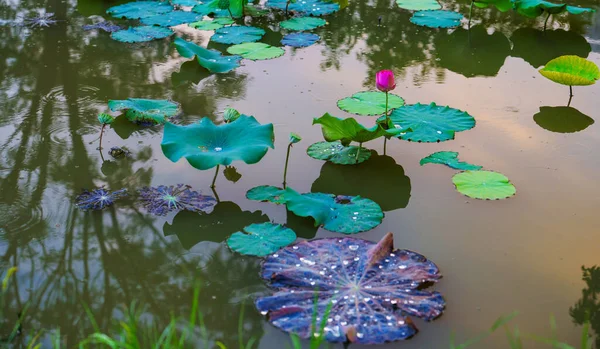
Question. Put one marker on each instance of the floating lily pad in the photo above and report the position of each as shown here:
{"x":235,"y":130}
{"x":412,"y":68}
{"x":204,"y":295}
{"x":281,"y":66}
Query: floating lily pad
{"x":437,"y":19}
{"x":256,"y":51}
{"x":261,"y":239}
{"x":212,"y":25}
{"x":450,"y":159}
{"x":300,"y":39}
{"x":571,"y":71}
{"x":419,"y":5}
{"x":534,"y":8}
{"x":302,"y":23}
{"x":369,"y":103}
{"x":485,"y":185}
{"x":538,"y":47}
{"x":140,"y":110}
{"x":139,"y":9}
{"x":430,"y":123}
{"x":206,"y":145}
{"x":307,"y":7}
{"x":210,"y":8}
{"x":562,"y":119}
{"x":501,"y":5}
{"x":337,"y":153}
{"x":237,"y":35}
{"x":187,"y":3}
{"x":371,"y":289}
{"x":141,"y":34}
{"x":171,"y":19}
{"x":349,"y":130}
{"x":212,"y":60}
{"x":266,"y":193}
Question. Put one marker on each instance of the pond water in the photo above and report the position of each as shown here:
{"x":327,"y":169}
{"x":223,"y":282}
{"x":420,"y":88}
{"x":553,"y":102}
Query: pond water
{"x":524,"y":253}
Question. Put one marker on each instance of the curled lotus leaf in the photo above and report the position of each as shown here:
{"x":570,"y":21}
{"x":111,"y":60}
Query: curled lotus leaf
{"x":302,"y":23}
{"x":212,"y":60}
{"x":141,"y":34}
{"x":171,"y":19}
{"x":306,"y":7}
{"x":295,"y":138}
{"x":437,"y":19}
{"x":142,"y":111}
{"x":237,"y":35}
{"x":571,"y":71}
{"x":430,"y":123}
{"x":337,"y":153}
{"x":206,"y":145}
{"x":256,"y":51}
{"x":450,"y":159}
{"x":230,"y":115}
{"x":105,"y":119}
{"x":349,"y":130}
{"x":535,"y":8}
{"x":300,"y":39}
{"x":370,"y":103}
{"x":372,"y":289}
{"x":139,"y":9}
{"x":562,"y":119}
{"x":261,"y":239}
{"x":484,"y":185}
{"x":211,"y":25}
{"x":419,"y":5}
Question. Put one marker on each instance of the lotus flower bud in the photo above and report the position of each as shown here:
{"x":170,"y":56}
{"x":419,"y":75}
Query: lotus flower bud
{"x":385,"y":80}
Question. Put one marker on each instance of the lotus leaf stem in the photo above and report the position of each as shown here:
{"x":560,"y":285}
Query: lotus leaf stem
{"x":230,"y":14}
{"x":387,"y":122}
{"x":358,"y":151}
{"x":570,"y":91}
{"x":470,"y":13}
{"x":384,"y":145}
{"x":287,"y":158}
{"x":546,"y":21}
{"x":215,"y":178}
{"x":101,"y":133}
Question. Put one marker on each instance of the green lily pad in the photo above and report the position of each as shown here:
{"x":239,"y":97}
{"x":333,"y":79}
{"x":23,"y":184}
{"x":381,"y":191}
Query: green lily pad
{"x":562,"y":119}
{"x":501,"y":5}
{"x":237,"y":35}
{"x":210,"y":8}
{"x":419,"y":5}
{"x":303,"y":23}
{"x":450,"y":159}
{"x":171,"y":19}
{"x":139,"y":9}
{"x":140,"y":110}
{"x":349,"y":130}
{"x":141,"y":34}
{"x":261,"y":239}
{"x":430,"y":123}
{"x":485,"y":185}
{"x":212,"y":60}
{"x":534,"y":8}
{"x":212,"y":25}
{"x":306,"y":7}
{"x":206,"y":145}
{"x":266,"y":193}
{"x":337,"y":153}
{"x":437,"y":19}
{"x":369,"y":103}
{"x":571,"y":71}
{"x":256,"y":51}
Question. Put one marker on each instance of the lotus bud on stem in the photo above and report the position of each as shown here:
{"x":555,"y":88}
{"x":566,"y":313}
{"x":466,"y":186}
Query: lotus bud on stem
{"x":294,"y":138}
{"x":104,"y":119}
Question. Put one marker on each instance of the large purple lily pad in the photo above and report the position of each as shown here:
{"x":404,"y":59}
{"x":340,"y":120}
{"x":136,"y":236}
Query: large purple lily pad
{"x":371,"y":286}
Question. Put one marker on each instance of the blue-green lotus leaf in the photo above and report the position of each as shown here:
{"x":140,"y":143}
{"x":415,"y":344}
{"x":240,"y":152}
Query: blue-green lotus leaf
{"x":300,"y":39}
{"x":450,"y":159}
{"x":349,"y":130}
{"x":261,"y":239}
{"x":186,"y":3}
{"x":256,"y":51}
{"x":141,"y":34}
{"x":437,"y":19}
{"x":419,"y":5}
{"x":237,"y":35}
{"x":211,"y":25}
{"x":140,"y":110}
{"x":302,"y":23}
{"x":484,"y":185}
{"x":267,"y":193}
{"x":206,"y":145}
{"x":308,"y":7}
{"x":370,"y":103}
{"x":534,"y":8}
{"x":430,"y":123}
{"x":139,"y":9}
{"x":210,"y":8}
{"x":172,"y":19}
{"x":212,"y":60}
{"x":337,"y":153}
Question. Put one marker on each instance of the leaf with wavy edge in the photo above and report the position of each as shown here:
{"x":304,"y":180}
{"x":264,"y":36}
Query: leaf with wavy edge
{"x":370,"y":103}
{"x":484,"y":185}
{"x":336,"y":153}
{"x":261,"y":239}
{"x":571,"y":71}
{"x":212,"y":60}
{"x":349,"y":130}
{"x":141,"y":110}
{"x":448,"y":158}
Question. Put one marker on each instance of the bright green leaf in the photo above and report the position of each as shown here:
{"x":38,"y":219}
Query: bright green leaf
{"x":237,"y":35}
{"x":105,"y":119}
{"x":212,"y":60}
{"x":571,"y":71}
{"x":142,"y":110}
{"x":294,"y":138}
{"x":419,"y":5}
{"x":485,"y":185}
{"x":302,"y":23}
{"x":534,"y":8}
{"x":256,"y":51}
{"x":336,"y":153}
{"x":369,"y":103}
{"x":450,"y":159}
{"x":261,"y":239}
{"x":231,"y":115}
{"x":349,"y":130}
{"x":212,"y":25}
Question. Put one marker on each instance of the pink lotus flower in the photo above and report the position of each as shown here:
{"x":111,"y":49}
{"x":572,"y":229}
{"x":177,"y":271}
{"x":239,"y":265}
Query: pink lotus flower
{"x":385,"y":80}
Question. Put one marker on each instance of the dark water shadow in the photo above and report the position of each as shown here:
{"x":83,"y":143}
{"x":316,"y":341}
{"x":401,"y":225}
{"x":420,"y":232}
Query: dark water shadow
{"x":304,"y":227}
{"x":227,"y":218}
{"x":380,"y":179}
{"x":587,"y":309}
{"x":125,"y":128}
{"x":190,"y":72}
{"x":537,"y":47}
{"x":562,"y":119}
{"x":472,"y":54}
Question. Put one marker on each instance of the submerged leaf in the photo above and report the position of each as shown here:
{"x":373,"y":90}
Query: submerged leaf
{"x":450,"y":159}
{"x":369,"y":288}
{"x":164,"y":199}
{"x":349,"y":130}
{"x":562,"y":119}
{"x":266,"y":193}
{"x":98,"y":199}
{"x":571,"y":71}
{"x":437,"y":19}
{"x":210,"y":8}
{"x":534,"y":8}
{"x":141,"y":34}
{"x":307,"y":7}
{"x":336,"y":153}
{"x":206,"y":145}
{"x":485,"y":185}
{"x":140,"y":110}
{"x":300,"y":39}
{"x":302,"y":23}
{"x":105,"y":26}
{"x":212,"y":25}
{"x":139,"y":9}
{"x":261,"y":239}
{"x":501,"y":5}
{"x":237,"y":35}
{"x":370,"y":103}
{"x":256,"y":51}
{"x":419,"y":5}
{"x":172,"y":19}
{"x":212,"y":60}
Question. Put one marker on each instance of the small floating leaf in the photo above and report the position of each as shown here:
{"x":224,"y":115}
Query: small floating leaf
{"x":485,"y":185}
{"x":139,"y":9}
{"x":562,"y":119}
{"x":336,"y":153}
{"x":450,"y":159}
{"x":212,"y":25}
{"x":300,"y":39}
{"x":237,"y":35}
{"x":369,"y":103}
{"x":141,"y":34}
{"x":212,"y":60}
{"x":307,"y":7}
{"x":261,"y":239}
{"x":256,"y":51}
{"x":419,"y":5}
{"x":571,"y":71}
{"x":437,"y":19}
{"x":302,"y":23}
{"x":349,"y":130}
{"x":172,"y":19}
{"x":142,"y":110}
{"x":267,"y":193}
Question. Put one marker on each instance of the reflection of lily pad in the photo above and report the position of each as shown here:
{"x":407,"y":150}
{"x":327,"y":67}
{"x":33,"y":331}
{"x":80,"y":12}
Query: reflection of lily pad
{"x":256,"y":51}
{"x":562,"y":119}
{"x":485,"y":185}
{"x":300,"y":39}
{"x":430,"y":123}
{"x":212,"y":60}
{"x":231,"y":174}
{"x":261,"y":239}
{"x":139,"y":9}
{"x":380,"y":179}
{"x":370,"y":287}
{"x":450,"y":159}
{"x":237,"y":35}
{"x":571,"y":71}
{"x":369,"y":103}
{"x":211,"y":25}
{"x":125,"y":129}
{"x":437,"y":19}
{"x":141,"y":34}
{"x":349,"y":130}
{"x":308,"y":7}
{"x":171,"y":19}
{"x":206,"y":145}
{"x":302,"y":23}
{"x":539,"y":47}
{"x":419,"y":5}
{"x":336,"y":153}
{"x":189,"y":72}
{"x":140,"y":110}
{"x":226,"y":218}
